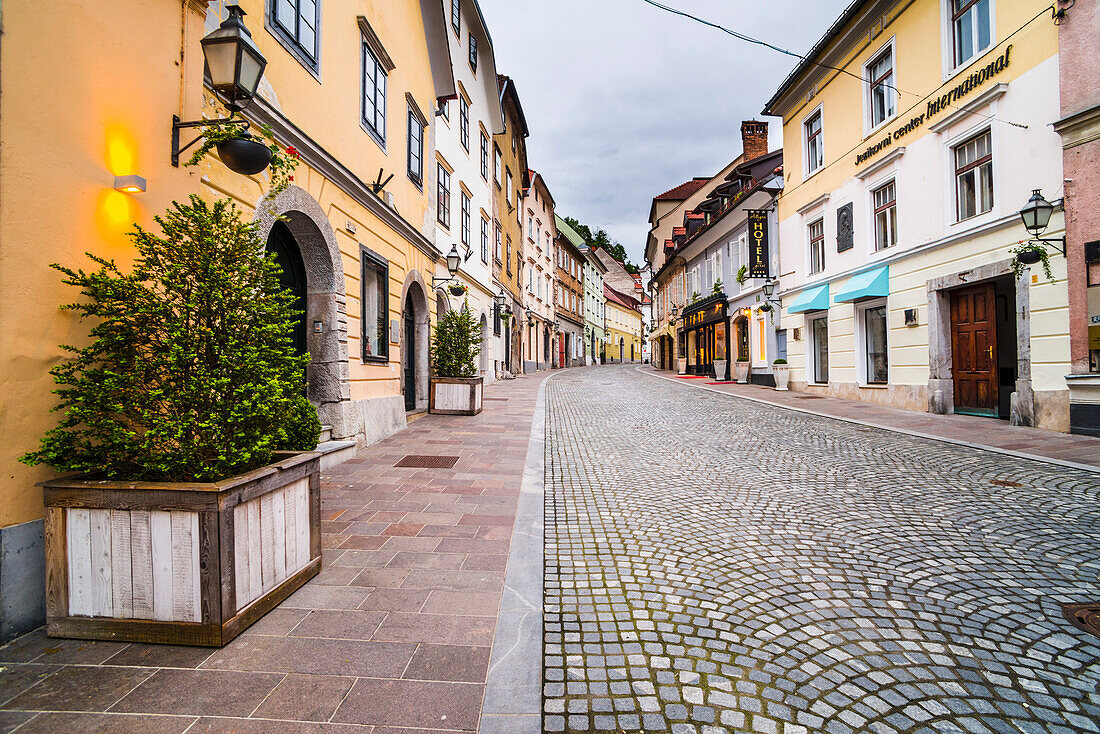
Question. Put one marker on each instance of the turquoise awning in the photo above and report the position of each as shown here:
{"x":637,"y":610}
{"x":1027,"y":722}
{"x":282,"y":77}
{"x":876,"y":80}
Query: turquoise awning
{"x":811,"y":299}
{"x":868,"y":284}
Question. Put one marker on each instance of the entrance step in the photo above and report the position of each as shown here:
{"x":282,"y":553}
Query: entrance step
{"x":326,"y":434}
{"x":336,"y":452}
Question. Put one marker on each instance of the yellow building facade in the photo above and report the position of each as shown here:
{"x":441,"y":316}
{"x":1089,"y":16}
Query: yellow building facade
{"x":622,"y":329}
{"x":509,"y":181}
{"x":905,"y":169}
{"x":123,"y":82}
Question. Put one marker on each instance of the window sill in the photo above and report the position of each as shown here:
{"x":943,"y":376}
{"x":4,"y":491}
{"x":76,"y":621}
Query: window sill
{"x":874,"y":386}
{"x":377,"y":361}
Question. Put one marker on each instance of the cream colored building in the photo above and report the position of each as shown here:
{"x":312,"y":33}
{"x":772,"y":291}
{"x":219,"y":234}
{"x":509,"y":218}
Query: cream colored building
{"x":900,"y":210}
{"x":537,"y":277}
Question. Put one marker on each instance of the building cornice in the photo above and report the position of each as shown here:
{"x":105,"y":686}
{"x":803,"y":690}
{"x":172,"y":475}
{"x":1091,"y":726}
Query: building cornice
{"x":1079,"y":128}
{"x":327,"y":165}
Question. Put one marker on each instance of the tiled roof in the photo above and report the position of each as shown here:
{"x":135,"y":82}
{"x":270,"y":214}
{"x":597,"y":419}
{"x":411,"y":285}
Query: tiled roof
{"x":683,"y":191}
{"x":694,"y":215}
{"x":623,"y":300}
{"x":569,"y":232}
{"x":679,"y":231}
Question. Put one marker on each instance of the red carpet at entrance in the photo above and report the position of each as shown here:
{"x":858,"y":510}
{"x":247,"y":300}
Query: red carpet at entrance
{"x":692,"y":377}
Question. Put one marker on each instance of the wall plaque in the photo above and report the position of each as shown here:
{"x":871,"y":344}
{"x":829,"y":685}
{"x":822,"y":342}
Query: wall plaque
{"x":844,"y":232}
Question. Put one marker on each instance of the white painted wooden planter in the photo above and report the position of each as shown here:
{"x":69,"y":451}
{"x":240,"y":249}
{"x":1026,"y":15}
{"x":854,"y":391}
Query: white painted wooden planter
{"x":192,"y":564}
{"x":456,"y":395}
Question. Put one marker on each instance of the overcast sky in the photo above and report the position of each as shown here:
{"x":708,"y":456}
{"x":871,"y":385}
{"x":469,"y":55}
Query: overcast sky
{"x":625,"y":101}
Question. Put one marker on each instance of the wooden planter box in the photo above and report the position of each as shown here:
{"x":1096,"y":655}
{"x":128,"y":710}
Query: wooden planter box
{"x":456,"y":395}
{"x":186,"y":564}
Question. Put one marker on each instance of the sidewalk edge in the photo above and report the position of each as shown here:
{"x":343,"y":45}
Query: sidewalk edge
{"x":892,"y":429}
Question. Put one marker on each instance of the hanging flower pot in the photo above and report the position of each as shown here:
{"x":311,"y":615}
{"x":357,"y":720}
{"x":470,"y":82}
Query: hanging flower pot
{"x":457,"y":289}
{"x":244,"y":154}
{"x":1029,"y":257}
{"x":765,"y":307}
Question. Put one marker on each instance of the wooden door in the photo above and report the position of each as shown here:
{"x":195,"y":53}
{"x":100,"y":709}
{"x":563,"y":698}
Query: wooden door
{"x":974,"y":349}
{"x":410,"y":356}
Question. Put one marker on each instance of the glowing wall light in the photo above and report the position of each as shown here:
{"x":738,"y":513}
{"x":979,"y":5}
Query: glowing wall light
{"x":131,"y":184}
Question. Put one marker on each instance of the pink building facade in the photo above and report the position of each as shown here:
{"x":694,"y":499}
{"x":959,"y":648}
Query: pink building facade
{"x":1079,"y":126}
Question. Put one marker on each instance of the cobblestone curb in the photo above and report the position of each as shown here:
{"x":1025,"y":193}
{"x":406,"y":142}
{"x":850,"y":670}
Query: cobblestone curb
{"x":513,"y":691}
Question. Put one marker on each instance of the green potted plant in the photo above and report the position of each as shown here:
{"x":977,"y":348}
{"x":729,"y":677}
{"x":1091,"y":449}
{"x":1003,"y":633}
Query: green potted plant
{"x":694,"y":296}
{"x":743,"y":369}
{"x":782,"y":372}
{"x":717,"y":288}
{"x":185,"y":519}
{"x":456,"y":386}
{"x":742,"y":274}
{"x":1030,"y":253}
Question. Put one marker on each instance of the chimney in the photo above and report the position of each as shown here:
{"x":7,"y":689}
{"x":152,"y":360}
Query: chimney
{"x":754,"y":139}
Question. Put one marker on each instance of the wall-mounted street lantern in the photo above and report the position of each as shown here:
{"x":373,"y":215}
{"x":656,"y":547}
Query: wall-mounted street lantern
{"x":235,"y":67}
{"x":769,"y":290}
{"x":1036,"y":216}
{"x":500,"y":299}
{"x":233,"y":61}
{"x":454,"y":261}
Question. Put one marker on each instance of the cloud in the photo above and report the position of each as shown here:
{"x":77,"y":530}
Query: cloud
{"x":625,"y":101}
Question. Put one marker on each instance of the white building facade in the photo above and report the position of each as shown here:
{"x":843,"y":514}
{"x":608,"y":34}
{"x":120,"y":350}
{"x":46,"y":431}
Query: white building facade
{"x":463,"y":175}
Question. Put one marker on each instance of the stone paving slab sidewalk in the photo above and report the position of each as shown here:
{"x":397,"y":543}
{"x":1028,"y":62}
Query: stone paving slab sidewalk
{"x":394,"y":636}
{"x":1080,"y":452}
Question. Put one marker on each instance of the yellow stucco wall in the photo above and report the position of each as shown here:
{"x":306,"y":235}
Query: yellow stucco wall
{"x":121,"y":82}
{"x":622,"y":323}
{"x":917,"y":28}
{"x":84,"y":100}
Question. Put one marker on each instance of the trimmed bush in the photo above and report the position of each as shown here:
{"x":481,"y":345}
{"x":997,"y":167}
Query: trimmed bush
{"x":456,"y":343}
{"x":191,"y":374}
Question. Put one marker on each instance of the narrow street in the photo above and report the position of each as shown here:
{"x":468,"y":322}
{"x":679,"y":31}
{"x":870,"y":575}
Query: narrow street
{"x":714,"y":564}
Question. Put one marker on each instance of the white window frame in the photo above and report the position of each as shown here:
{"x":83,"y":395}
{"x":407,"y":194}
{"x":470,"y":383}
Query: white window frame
{"x":951,"y":197}
{"x":810,"y":272}
{"x":860,"y":314}
{"x":869,"y":124}
{"x":871,"y":191}
{"x":806,"y":172}
{"x":950,"y":68}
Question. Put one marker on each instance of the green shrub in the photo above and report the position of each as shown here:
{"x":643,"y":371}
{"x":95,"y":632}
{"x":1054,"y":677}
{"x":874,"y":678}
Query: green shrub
{"x":456,"y":342}
{"x":191,"y":374}
{"x":779,"y":361}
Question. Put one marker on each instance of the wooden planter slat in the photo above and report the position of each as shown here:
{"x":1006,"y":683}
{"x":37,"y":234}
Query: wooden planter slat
{"x":456,"y":395}
{"x":128,"y":561}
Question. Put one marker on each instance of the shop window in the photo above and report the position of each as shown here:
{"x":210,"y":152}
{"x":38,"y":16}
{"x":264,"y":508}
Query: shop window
{"x":819,"y":349}
{"x":815,"y":150}
{"x":373,"y":112}
{"x":373,"y":298}
{"x":874,"y":330}
{"x":886,"y":216}
{"x":817,"y":246}
{"x":971,"y":28}
{"x":880,"y":78}
{"x":294,"y":23}
{"x":974,"y":176}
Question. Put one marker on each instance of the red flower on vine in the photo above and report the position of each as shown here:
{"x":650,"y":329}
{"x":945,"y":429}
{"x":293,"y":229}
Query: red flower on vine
{"x":292,"y":151}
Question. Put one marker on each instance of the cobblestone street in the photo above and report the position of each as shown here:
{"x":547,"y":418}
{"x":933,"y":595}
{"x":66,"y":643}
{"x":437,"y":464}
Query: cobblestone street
{"x":714,"y":564}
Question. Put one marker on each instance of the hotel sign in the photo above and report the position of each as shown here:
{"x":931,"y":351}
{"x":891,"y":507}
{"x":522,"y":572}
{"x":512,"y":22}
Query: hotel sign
{"x":940,"y":103}
{"x":758,"y":243}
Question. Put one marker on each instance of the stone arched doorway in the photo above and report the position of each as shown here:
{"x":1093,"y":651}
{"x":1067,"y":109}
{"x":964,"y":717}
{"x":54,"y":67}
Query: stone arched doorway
{"x":484,"y":356}
{"x":294,"y":226}
{"x":415,"y":324}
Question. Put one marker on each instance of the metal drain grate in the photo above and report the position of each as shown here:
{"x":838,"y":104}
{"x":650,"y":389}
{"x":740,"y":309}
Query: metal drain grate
{"x":808,"y":397}
{"x":502,"y":400}
{"x":1005,"y":483}
{"x":1084,"y":616}
{"x":417,"y":461}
